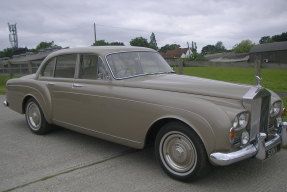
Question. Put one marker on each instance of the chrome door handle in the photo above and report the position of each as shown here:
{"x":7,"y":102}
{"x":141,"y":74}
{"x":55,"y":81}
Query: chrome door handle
{"x":49,"y":84}
{"x":77,"y":85}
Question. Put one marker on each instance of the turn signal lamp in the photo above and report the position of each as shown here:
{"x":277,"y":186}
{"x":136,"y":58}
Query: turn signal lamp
{"x":231,"y":135}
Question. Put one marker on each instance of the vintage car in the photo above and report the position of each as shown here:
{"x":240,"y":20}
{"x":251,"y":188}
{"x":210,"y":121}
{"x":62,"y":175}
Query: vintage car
{"x":131,"y":96}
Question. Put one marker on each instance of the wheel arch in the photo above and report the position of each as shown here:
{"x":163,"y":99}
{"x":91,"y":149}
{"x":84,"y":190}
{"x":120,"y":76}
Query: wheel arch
{"x":30,"y":96}
{"x":158,"y":124}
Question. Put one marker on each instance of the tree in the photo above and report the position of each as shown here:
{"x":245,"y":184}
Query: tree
{"x":194,"y":56}
{"x":274,"y":38}
{"x":265,"y":39}
{"x":278,"y":38}
{"x":194,"y":53}
{"x":210,"y":49}
{"x":169,"y":47}
{"x":152,"y":43}
{"x":139,"y":41}
{"x":100,"y":43}
{"x":219,"y":46}
{"x":44,"y":45}
{"x":8,"y":52}
{"x":243,"y":47}
{"x":116,"y":43}
{"x":104,"y":43}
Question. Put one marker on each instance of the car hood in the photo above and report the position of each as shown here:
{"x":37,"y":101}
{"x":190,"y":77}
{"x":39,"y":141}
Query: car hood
{"x":189,"y":84}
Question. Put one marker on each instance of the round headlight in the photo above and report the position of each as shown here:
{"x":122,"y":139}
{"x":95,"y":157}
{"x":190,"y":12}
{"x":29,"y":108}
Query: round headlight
{"x":275,"y":108}
{"x":235,"y":122}
{"x":244,"y":137}
{"x":243,"y":120}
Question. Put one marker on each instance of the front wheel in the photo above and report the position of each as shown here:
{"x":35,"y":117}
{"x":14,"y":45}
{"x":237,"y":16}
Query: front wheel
{"x":35,"y":118}
{"x":180,"y":152}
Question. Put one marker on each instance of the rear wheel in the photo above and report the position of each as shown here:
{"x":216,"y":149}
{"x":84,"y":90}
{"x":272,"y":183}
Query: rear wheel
{"x":180,"y":152}
{"x":35,"y":118}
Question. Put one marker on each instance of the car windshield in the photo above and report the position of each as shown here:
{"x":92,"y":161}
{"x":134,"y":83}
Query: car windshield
{"x":130,"y":64}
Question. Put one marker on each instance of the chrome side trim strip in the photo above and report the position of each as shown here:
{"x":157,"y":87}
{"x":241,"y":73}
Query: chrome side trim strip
{"x":98,"y":132}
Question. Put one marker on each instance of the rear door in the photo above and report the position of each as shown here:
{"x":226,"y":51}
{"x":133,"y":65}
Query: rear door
{"x":59,"y":76}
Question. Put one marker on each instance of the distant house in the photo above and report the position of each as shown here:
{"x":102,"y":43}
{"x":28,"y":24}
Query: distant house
{"x":270,"y":52}
{"x":176,"y":53}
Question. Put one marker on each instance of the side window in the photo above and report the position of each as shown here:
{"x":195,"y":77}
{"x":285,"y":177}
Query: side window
{"x":49,"y":68}
{"x":92,"y":67}
{"x":65,"y":66}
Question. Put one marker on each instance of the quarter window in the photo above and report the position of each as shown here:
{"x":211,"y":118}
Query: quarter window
{"x":49,"y":69}
{"x":65,"y":67}
{"x":92,"y":67}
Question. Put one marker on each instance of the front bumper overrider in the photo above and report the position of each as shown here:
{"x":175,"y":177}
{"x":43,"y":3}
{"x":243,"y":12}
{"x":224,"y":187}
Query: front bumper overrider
{"x":258,"y":149}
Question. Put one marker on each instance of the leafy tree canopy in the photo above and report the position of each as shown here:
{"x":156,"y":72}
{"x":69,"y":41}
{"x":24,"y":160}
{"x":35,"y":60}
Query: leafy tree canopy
{"x":274,"y":38}
{"x":9,"y":52}
{"x":243,"y":47}
{"x":6,"y":52}
{"x":194,"y":56}
{"x":45,"y":45}
{"x":217,"y":48}
{"x":153,"y":43}
{"x":169,"y":47}
{"x":117,"y":43}
{"x":278,"y":38}
{"x":139,"y":41}
{"x":265,"y":39}
{"x":219,"y":45}
{"x":104,"y":43}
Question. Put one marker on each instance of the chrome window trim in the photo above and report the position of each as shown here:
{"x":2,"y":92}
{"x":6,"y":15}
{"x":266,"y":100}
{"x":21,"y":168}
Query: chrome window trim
{"x":111,"y":71}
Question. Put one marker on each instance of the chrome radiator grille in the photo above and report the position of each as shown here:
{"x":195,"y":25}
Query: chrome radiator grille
{"x":257,"y":101}
{"x":264,"y":116}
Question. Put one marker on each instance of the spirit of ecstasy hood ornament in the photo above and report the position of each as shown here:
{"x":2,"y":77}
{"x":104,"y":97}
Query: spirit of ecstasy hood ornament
{"x":258,"y":81}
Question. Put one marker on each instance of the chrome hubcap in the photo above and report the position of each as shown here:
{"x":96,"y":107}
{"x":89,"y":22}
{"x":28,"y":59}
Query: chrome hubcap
{"x":178,"y":153}
{"x":33,"y":116}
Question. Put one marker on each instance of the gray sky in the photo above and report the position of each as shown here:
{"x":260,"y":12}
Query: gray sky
{"x":70,"y":23}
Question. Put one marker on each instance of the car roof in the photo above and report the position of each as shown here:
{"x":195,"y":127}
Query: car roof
{"x":100,"y":50}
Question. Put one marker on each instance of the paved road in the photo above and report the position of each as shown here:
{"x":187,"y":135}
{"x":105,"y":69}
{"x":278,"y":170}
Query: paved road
{"x":69,"y":161}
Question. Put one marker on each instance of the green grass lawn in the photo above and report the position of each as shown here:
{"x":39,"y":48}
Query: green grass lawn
{"x":3,"y":79}
{"x":274,"y":79}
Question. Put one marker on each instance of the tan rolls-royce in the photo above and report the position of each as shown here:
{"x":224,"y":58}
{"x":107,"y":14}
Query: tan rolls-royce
{"x":131,"y":96}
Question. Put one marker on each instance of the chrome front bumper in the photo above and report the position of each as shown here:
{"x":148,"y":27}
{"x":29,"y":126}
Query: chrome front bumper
{"x":258,"y":150}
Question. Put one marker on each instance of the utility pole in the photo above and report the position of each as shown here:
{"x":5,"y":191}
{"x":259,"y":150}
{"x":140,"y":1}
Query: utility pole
{"x":95,"y":33}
